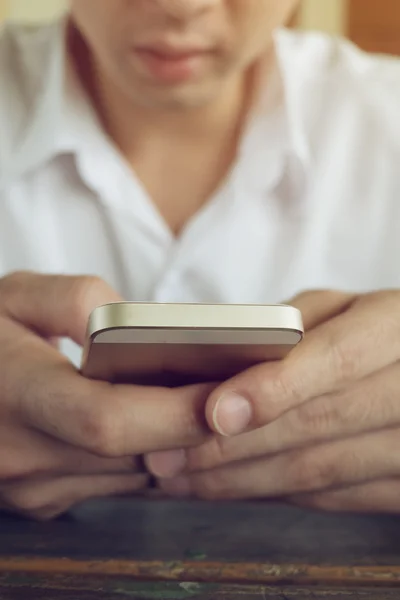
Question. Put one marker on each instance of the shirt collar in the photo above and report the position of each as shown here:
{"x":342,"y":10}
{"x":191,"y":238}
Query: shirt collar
{"x":293,"y":77}
{"x":45,"y":136}
{"x":274,"y":146}
{"x":51,"y":128}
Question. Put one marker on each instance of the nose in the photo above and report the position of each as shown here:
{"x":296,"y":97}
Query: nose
{"x":184,"y":9}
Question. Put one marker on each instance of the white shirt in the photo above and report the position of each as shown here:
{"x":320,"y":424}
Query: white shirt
{"x":312,"y":202}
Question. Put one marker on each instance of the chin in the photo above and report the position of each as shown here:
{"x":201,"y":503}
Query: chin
{"x":176,"y":98}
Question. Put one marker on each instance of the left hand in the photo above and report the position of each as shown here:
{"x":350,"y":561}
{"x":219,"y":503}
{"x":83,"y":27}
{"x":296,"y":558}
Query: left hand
{"x":320,"y":428}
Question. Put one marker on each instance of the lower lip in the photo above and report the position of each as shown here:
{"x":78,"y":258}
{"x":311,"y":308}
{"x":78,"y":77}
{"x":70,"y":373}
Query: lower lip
{"x":172,"y":69}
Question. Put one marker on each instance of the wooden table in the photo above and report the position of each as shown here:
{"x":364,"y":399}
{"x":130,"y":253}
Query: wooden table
{"x":153,"y":550}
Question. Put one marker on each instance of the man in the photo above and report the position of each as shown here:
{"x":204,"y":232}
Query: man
{"x":193,"y":150}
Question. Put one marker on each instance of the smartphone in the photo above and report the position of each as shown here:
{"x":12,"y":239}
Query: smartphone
{"x":180,"y":344}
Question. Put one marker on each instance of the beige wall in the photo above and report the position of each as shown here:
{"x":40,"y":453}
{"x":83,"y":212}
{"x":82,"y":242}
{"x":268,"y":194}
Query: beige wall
{"x":34,"y":9}
{"x":328,"y":15}
{"x":3,"y":9}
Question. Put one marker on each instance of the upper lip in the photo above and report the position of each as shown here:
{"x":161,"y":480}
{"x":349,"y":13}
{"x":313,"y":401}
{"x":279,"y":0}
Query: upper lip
{"x":172,"y":51}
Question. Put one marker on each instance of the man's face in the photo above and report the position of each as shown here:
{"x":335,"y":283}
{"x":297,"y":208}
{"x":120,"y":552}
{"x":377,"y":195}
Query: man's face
{"x":166,"y":53}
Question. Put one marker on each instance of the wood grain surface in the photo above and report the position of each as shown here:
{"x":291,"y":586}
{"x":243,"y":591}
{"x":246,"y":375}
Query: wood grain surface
{"x":143,"y":550}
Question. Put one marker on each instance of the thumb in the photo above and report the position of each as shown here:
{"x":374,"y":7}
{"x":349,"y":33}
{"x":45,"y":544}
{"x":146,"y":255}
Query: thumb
{"x":53,"y":305}
{"x":239,"y":402}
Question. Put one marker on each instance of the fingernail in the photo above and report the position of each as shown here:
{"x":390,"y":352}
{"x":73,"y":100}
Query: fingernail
{"x":179,"y":487}
{"x":232,"y":414}
{"x":166,"y":464}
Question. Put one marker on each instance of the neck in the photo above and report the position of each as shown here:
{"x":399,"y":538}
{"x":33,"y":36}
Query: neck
{"x":132,"y":126}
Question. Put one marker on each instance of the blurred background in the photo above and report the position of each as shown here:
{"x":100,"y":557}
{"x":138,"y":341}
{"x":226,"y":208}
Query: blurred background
{"x":372,"y":24}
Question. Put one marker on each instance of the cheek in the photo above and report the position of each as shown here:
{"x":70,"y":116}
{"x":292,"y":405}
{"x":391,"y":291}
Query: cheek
{"x":97,"y":18}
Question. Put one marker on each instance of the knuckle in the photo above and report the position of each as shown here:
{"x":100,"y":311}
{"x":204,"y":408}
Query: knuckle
{"x":317,"y":417}
{"x":344,"y":358}
{"x":276,"y":389}
{"x":287,"y":387}
{"x":313,"y":472}
{"x":359,"y":408}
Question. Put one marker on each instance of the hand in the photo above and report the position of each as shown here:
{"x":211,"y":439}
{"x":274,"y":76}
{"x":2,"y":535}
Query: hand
{"x":321,"y":428}
{"x":63,"y":438}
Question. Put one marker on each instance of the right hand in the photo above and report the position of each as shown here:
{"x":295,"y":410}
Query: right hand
{"x":63,"y":438}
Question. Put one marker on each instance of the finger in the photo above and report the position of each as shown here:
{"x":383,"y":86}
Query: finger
{"x":74,"y":462}
{"x":30,"y":454}
{"x":110,"y":420}
{"x":369,"y":406}
{"x":364,"y":339}
{"x":47,"y":498}
{"x":339,"y":464}
{"x":53,"y":305}
{"x":319,"y":306}
{"x":374,"y":497}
